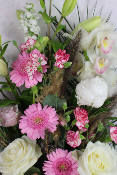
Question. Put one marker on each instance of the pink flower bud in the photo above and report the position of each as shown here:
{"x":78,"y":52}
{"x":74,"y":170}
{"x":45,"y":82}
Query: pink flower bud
{"x":9,"y":115}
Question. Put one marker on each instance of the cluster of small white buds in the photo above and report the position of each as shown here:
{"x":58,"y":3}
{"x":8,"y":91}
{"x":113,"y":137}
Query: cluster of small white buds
{"x":29,"y":23}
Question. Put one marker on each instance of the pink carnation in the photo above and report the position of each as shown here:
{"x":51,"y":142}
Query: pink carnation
{"x":73,"y":138}
{"x":28,"y":45}
{"x":25,"y":68}
{"x":81,"y":116}
{"x":60,"y":162}
{"x":37,"y":120}
{"x":61,"y":58}
{"x":113,"y":133}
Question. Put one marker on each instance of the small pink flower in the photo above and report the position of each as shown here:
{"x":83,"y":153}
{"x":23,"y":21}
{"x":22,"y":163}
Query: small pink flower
{"x":60,"y":162}
{"x":61,"y":58}
{"x":9,"y":115}
{"x":28,"y":45}
{"x":73,"y":139}
{"x":101,"y":65}
{"x":113,"y":133}
{"x":81,"y":116}
{"x":37,"y":120}
{"x":106,"y":45}
{"x":62,"y":121}
{"x":25,"y":69}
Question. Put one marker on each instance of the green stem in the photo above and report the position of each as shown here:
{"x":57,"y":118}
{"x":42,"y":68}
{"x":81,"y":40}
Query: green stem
{"x":57,"y":27}
{"x":16,"y":131}
{"x":33,"y":97}
{"x":14,"y":92}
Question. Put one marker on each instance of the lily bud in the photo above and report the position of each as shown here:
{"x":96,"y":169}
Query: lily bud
{"x":68,"y":7}
{"x":89,"y":24}
{"x":3,"y":69}
{"x":43,"y":44}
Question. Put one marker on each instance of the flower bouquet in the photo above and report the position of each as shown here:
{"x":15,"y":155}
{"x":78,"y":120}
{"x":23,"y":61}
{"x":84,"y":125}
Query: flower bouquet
{"x":63,"y":122}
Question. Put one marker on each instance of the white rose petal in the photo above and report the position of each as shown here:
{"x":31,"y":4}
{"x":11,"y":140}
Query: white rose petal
{"x":19,"y":156}
{"x":98,"y":158}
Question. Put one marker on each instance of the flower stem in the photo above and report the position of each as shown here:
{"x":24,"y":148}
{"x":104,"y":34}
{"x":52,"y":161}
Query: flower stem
{"x":49,"y":47}
{"x":57,"y":27}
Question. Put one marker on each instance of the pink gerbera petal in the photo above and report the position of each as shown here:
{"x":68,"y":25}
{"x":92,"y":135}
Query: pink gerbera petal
{"x":60,"y":162}
{"x":37,"y":120}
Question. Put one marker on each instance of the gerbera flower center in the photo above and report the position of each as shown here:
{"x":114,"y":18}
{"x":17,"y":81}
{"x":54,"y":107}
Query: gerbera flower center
{"x":62,"y":166}
{"x":38,"y":119}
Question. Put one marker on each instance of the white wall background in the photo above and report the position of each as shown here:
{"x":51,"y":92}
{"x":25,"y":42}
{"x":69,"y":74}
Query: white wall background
{"x":9,"y":24}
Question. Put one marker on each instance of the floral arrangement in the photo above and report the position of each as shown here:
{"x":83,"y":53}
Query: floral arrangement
{"x":64,"y":121}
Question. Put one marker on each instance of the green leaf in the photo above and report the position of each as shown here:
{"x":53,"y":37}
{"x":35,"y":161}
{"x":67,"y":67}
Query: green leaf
{"x":98,"y":112}
{"x":81,"y":136}
{"x":67,"y":118}
{"x":45,"y":16}
{"x":56,"y":45}
{"x":53,"y":18}
{"x":64,"y":107}
{"x":87,"y":125}
{"x":32,"y":171}
{"x":74,"y":122}
{"x":61,"y":27}
{"x":102,"y":135}
{"x":6,"y":87}
{"x":112,"y":118}
{"x":110,"y":123}
{"x":42,"y":4}
{"x":18,"y":13}
{"x":40,"y":39}
{"x":106,"y":103}
{"x":67,"y":127}
{"x":6,"y":102}
{"x":3,"y":51}
{"x":52,"y":100}
{"x":108,"y":139}
{"x":69,"y":112}
{"x":15,"y":43}
{"x":67,"y":64}
{"x":100,"y":126}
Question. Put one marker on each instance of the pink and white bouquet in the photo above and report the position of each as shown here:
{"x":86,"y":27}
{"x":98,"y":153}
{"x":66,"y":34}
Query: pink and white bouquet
{"x":63,"y":122}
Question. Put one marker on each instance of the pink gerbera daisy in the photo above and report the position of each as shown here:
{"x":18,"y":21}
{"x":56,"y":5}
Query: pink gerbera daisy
{"x":25,"y":68}
{"x":37,"y":120}
{"x":60,"y":162}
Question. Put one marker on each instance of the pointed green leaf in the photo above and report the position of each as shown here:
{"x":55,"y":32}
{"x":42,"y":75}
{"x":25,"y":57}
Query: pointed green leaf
{"x":108,"y":139}
{"x":42,"y":4}
{"x":6,"y":102}
{"x":69,"y":112}
{"x":45,"y":16}
{"x":67,"y":64}
{"x":32,"y":170}
{"x":56,"y":45}
{"x":18,"y":13}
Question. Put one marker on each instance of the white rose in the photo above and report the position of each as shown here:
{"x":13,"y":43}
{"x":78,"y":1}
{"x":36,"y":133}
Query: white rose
{"x":92,"y":92}
{"x":98,"y":158}
{"x":19,"y":156}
